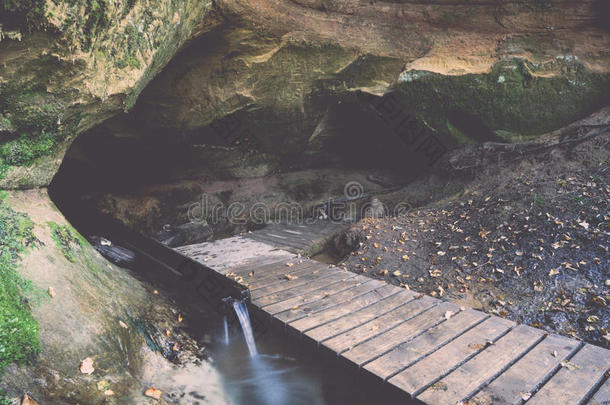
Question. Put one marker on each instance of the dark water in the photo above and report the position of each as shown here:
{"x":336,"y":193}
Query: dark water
{"x":288,"y":372}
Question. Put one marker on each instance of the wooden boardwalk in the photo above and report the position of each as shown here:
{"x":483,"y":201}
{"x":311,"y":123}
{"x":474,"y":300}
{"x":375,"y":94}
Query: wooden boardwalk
{"x":435,"y":351}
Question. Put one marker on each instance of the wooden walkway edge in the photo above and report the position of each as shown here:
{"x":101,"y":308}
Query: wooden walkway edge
{"x":432,"y":350}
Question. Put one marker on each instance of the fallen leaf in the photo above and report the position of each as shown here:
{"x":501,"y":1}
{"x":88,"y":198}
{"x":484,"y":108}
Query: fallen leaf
{"x":592,"y":319}
{"x":109,"y":393}
{"x":525,"y":396}
{"x":289,"y":264}
{"x":405,"y":258}
{"x":435,"y":273}
{"x":123,"y":325}
{"x":168,"y":333}
{"x":289,"y":277}
{"x":584,"y":224}
{"x":553,"y":272}
{"x":570,"y":366}
{"x":439,"y":386}
{"x":153,"y":393}
{"x":476,"y":346}
{"x":102,"y":385}
{"x":180,"y":318}
{"x":449,"y":314}
{"x":397,"y":273}
{"x":86,"y":366}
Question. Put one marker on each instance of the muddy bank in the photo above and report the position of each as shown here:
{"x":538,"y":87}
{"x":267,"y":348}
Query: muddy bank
{"x":105,"y":336}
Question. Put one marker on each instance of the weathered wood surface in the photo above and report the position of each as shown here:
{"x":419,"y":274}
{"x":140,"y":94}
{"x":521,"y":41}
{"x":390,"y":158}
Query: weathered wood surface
{"x":577,"y":379}
{"x":432,"y":350}
{"x":298,"y":238}
{"x":602,"y":396}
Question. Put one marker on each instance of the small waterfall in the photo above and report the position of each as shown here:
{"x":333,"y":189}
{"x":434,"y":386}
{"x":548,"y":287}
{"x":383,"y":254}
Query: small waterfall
{"x":226,"y":327}
{"x":244,"y":319}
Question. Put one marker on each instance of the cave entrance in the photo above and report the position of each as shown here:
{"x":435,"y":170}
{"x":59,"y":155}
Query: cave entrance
{"x":152,"y":180}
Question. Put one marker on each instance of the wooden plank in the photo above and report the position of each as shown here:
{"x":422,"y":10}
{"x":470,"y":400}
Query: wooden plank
{"x":529,"y":373}
{"x":373,"y":348}
{"x":344,"y":307}
{"x":572,"y":385}
{"x":312,"y":292}
{"x":293,"y":273}
{"x":228,"y":253}
{"x":360,"y":317}
{"x":272,"y":272}
{"x":285,"y":300}
{"x":287,"y":284}
{"x":332,"y":301}
{"x":467,"y":379}
{"x":351,"y":338}
{"x":282,"y":238}
{"x":602,"y":396}
{"x":281,"y":234}
{"x":433,"y":367}
{"x":261,"y":267}
{"x":404,"y":355}
{"x":283,"y":243}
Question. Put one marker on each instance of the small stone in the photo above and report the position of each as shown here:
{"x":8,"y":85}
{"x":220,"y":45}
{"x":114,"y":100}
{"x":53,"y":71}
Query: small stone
{"x":86,"y":366}
{"x":51,"y":292}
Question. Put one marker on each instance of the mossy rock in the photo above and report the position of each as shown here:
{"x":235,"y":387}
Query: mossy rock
{"x":19,"y":341}
{"x":512,"y":97}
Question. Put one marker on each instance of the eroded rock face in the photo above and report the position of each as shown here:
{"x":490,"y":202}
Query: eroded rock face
{"x":68,"y":65}
{"x":278,"y":76}
{"x":87,"y":308}
{"x":520,"y":66}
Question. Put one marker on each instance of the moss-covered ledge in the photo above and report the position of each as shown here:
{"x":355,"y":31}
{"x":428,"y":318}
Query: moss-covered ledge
{"x":516,"y":99}
{"x":68,"y":65}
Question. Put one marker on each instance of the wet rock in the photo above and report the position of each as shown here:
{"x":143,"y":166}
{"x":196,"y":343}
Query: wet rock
{"x":116,"y":254}
{"x":185,"y":234}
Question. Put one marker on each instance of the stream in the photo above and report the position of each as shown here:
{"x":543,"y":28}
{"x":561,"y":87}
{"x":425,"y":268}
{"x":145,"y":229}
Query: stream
{"x":259,"y":364}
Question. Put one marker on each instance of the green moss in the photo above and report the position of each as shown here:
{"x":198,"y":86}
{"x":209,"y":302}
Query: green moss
{"x":4,"y":399}
{"x":19,"y":341}
{"x":510,"y":98}
{"x":462,"y":138}
{"x":65,"y":239}
{"x":22,"y":14}
{"x":35,"y":118}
